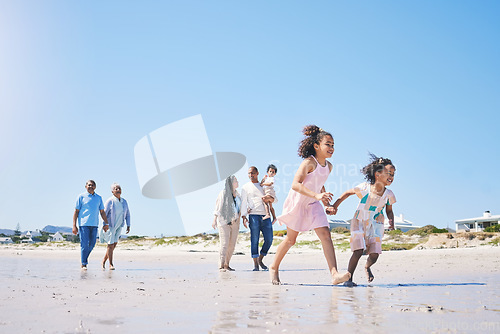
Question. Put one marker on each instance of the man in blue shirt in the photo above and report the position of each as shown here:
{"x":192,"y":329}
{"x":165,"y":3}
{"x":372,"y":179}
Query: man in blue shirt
{"x":87,"y":209}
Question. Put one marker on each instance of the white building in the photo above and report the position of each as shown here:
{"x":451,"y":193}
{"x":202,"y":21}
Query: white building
{"x":6,"y":240}
{"x":477,"y":224}
{"x":31,"y":234}
{"x":338,"y":223}
{"x":56,"y":237}
{"x":400,"y":223}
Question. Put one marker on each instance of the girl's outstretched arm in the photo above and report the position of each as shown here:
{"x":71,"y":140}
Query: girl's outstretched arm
{"x":307,"y":166}
{"x":342,"y":198}
{"x":390,"y":216}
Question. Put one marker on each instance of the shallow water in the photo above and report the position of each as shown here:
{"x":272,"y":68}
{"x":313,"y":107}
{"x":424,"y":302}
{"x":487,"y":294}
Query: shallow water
{"x":158,"y":293}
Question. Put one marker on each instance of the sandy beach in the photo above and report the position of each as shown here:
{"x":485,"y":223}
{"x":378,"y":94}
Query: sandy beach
{"x":179,"y":289}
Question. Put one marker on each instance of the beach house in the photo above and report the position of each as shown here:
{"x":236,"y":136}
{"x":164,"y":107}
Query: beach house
{"x":56,"y":237}
{"x":477,"y":224}
{"x":338,"y":223}
{"x":400,"y":223}
{"x":6,"y":240}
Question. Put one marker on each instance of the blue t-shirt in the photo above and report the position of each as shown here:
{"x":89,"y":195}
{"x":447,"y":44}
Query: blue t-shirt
{"x":89,"y":207}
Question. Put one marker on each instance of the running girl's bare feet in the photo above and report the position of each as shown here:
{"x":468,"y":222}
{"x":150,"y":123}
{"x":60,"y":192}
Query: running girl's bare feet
{"x":275,"y":279}
{"x":338,"y":278}
{"x":369,"y":274}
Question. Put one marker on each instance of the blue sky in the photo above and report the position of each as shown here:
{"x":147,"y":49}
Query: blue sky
{"x":415,"y":81}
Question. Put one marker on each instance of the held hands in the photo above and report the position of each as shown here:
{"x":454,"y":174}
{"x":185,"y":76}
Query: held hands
{"x":331,"y":210}
{"x":106,"y":228}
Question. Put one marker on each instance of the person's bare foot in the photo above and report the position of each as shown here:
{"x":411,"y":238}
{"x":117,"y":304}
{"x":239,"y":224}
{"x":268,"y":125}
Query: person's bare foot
{"x":338,"y":278}
{"x":103,"y":265}
{"x":275,"y":278}
{"x":222,"y":270}
{"x":256,"y":268}
{"x":350,"y":284}
{"x":262,"y":265}
{"x":111,"y":267}
{"x":84,"y":267}
{"x":229,"y":268}
{"x":369,"y":274}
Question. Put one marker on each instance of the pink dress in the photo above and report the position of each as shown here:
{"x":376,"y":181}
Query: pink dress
{"x":303,"y":213}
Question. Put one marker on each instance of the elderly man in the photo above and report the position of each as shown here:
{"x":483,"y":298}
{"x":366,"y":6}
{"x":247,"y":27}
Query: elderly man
{"x":252,"y":196}
{"x":87,"y":209}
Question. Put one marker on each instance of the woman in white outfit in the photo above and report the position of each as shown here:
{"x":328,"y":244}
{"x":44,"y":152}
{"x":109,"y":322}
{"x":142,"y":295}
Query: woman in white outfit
{"x":227,"y":218}
{"x":117,"y":212}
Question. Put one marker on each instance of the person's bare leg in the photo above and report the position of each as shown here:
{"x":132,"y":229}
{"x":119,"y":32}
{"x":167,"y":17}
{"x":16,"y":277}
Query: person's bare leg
{"x":273,"y":214}
{"x":353,"y":263}
{"x":268,"y":210}
{"x":325,"y":237}
{"x":283,"y":247}
{"x":105,"y":259}
{"x":110,"y":251}
{"x":372,"y":259}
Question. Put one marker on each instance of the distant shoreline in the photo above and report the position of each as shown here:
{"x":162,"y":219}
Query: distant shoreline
{"x":306,"y":242}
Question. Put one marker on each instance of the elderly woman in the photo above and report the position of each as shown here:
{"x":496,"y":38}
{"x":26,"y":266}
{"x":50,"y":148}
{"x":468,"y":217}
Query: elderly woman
{"x":117,"y":212}
{"x":227,"y":219}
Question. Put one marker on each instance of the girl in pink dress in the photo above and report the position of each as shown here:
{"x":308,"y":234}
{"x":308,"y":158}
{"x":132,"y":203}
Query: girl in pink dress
{"x":302,"y":210}
{"x":367,"y":226}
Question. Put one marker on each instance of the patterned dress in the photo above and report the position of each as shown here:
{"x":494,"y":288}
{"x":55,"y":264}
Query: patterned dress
{"x":367,"y":226}
{"x":303,"y":213}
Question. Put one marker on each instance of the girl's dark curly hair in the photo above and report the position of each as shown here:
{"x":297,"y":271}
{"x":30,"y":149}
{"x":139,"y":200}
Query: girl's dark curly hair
{"x":376,"y":164}
{"x":314,"y":135}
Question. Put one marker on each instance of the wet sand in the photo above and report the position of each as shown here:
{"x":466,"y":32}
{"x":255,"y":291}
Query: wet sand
{"x":441,"y":291}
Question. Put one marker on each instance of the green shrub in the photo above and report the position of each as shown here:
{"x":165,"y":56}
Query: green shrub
{"x":135,"y":237}
{"x":495,"y":241}
{"x":279,"y":233}
{"x":389,"y":247}
{"x":345,"y":245}
{"x":394,"y":233}
{"x":341,"y":230}
{"x":494,"y":228}
{"x":160,"y":242}
{"x":439,"y":230}
{"x":422,"y":231}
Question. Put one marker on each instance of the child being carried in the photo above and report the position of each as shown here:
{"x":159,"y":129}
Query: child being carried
{"x":267,"y":184}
